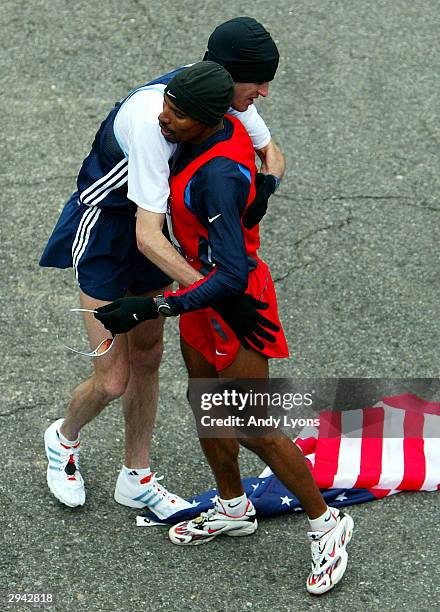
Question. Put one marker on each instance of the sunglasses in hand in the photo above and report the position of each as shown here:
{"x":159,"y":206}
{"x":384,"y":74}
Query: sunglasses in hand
{"x":103,"y":347}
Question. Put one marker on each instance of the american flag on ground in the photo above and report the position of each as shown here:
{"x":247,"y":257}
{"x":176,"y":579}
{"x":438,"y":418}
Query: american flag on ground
{"x":355,"y":456}
{"x":393,"y":446}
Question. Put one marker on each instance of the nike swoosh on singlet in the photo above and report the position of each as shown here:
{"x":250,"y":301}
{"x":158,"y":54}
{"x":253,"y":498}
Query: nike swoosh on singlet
{"x":214,"y":218}
{"x":221,"y":354}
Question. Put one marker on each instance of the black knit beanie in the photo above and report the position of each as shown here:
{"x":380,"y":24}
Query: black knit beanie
{"x":204,"y":91}
{"x":246,"y":49}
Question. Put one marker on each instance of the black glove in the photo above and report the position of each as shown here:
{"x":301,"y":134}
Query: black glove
{"x":242,"y":315}
{"x":266,"y":185}
{"x":122,"y":315}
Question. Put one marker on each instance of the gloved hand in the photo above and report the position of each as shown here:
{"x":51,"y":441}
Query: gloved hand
{"x":122,"y":315}
{"x":242,"y":315}
{"x":266,"y":185}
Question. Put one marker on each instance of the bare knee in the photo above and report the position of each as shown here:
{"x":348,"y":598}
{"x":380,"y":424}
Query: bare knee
{"x":113,"y":383}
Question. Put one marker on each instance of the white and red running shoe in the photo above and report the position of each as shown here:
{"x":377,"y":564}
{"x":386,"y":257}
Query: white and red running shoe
{"x":63,"y":475}
{"x":135,"y":491}
{"x":329,"y":555}
{"x":213,"y":523}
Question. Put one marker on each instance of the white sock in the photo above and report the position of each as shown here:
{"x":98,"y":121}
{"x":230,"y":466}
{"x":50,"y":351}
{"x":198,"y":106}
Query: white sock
{"x":326,"y":521}
{"x":234,"y":507}
{"x":65,"y":441}
{"x":142,"y":472}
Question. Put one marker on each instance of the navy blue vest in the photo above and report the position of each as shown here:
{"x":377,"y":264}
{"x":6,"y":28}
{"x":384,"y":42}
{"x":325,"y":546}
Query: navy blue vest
{"x":102,"y":180}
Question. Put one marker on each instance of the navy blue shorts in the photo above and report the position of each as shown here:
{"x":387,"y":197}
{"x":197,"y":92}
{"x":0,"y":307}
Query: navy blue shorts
{"x":100,"y":244}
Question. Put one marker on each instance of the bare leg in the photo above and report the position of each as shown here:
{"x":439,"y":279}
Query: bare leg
{"x":107,"y":382}
{"x":287,"y":462}
{"x":140,"y":398}
{"x":221,"y":453}
{"x":277,"y":451}
{"x":129,"y":369}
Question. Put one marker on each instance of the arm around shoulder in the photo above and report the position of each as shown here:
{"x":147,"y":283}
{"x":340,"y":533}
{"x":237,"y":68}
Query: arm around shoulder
{"x":153,"y":244}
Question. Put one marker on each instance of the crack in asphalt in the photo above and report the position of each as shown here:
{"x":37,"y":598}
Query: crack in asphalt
{"x":411,"y":204}
{"x":341,"y":198}
{"x":347,"y":221}
{"x":17,"y":410}
{"x":422,"y":206}
{"x":338,"y":225}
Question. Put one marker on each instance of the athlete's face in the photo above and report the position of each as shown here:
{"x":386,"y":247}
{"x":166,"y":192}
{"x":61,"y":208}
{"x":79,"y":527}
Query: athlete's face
{"x":176,"y":126}
{"x":246,"y":93}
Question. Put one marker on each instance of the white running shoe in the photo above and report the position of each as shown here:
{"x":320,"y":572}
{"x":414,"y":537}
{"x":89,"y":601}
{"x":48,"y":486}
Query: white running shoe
{"x":63,"y":475}
{"x":136,"y":492}
{"x":212,"y":523}
{"x":329,"y":555}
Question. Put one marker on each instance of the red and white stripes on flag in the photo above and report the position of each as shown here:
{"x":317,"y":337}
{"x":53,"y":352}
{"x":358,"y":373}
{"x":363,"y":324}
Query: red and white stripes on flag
{"x":390,"y":447}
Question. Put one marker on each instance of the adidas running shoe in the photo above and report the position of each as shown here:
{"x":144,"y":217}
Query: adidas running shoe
{"x":136,"y":492}
{"x":63,"y":475}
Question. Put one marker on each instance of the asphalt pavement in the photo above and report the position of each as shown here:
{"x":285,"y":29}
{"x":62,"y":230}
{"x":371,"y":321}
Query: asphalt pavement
{"x":352,"y":241}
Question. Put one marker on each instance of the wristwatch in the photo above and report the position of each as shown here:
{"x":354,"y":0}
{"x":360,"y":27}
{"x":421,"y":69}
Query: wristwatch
{"x":163,"y":308}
